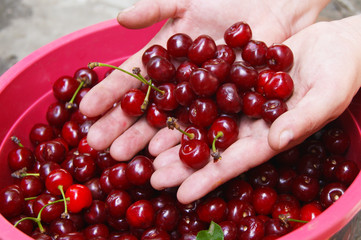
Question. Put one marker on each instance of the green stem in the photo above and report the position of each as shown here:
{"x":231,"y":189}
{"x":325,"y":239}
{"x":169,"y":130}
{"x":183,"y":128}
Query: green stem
{"x":146,"y":99}
{"x":215,"y":154}
{"x":65,"y":213}
{"x":172,"y":124}
{"x":296,"y":220}
{"x":17,"y":141}
{"x":71,"y":102}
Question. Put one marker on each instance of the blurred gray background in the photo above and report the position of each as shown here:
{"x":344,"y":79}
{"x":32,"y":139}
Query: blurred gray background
{"x":26,"y":25}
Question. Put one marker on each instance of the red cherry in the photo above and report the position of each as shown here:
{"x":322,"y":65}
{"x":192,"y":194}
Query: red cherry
{"x":251,"y":227}
{"x":57,"y":114}
{"x":64,"y":88}
{"x":166,"y":101}
{"x":139,"y":170}
{"x":160,"y":69}
{"x":155,"y":117}
{"x":279,"y":86}
{"x":79,"y":196}
{"x":184,"y":94}
{"x":140,"y":214}
{"x":331,"y":193}
{"x":228,"y":100}
{"x":212,"y":209}
{"x":88,"y":75}
{"x":41,"y":132}
{"x":178,"y":45}
{"x":226,"y":53}
{"x":346,"y":172}
{"x":12,"y":201}
{"x":272,"y":109}
{"x":336,"y":140}
{"x":279,"y":57}
{"x":198,"y":133}
{"x":243,"y":75}
{"x":19,"y":158}
{"x":118,"y":202}
{"x":229,"y":129}
{"x":263,"y":199}
{"x":84,"y":147}
{"x":218,"y":67}
{"x":203,"y":82}
{"x":202,"y":49}
{"x":71,"y":133}
{"x":203,"y":112}
{"x":132,"y":101}
{"x":252,"y":104}
{"x":238,"y":35}
{"x":194,"y":153}
{"x":184,"y":71}
{"x":58,"y":177}
{"x":254,"y":52}
{"x":152,"y":51}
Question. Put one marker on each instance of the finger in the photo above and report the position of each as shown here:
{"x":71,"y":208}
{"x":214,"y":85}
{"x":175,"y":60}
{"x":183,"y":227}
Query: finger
{"x":133,"y":140}
{"x":235,"y":160}
{"x":167,"y":157}
{"x":145,"y":13}
{"x":163,"y":140}
{"x":107,"y":92}
{"x":308,"y":116}
{"x":103,"y":132}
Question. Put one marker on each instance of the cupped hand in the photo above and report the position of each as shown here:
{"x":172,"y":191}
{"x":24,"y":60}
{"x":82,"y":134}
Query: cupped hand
{"x":326,"y":74}
{"x":271,"y":22}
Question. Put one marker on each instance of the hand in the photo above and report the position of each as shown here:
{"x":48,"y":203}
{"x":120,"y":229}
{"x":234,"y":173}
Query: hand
{"x":270,"y":22}
{"x":326,"y":75}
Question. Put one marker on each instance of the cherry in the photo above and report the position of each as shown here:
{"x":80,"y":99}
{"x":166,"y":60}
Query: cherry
{"x":263,"y":78}
{"x":104,"y":160}
{"x":132,"y":101}
{"x":229,"y":129}
{"x":346,"y":172}
{"x":118,"y":202}
{"x":155,"y":117}
{"x":279,"y":57}
{"x":243,"y":75}
{"x":71,"y":133}
{"x":89,"y":76}
{"x":84,"y":168}
{"x":155,"y":233}
{"x":203,"y":82}
{"x":139,"y":192}
{"x":51,"y":211}
{"x":254,"y":52}
{"x":218,"y":67}
{"x":229,"y":230}
{"x":285,"y":180}
{"x":286,"y":209}
{"x":58,"y":181}
{"x":178,"y":45}
{"x":238,"y":188}
{"x":96,"y":231}
{"x":12,"y":201}
{"x":194,"y":153}
{"x":263,"y":175}
{"x":26,"y":226}
{"x":57,"y":114}
{"x":182,"y":114}
{"x":276,"y":227}
{"x":202,"y":49}
{"x":54,"y":150}
{"x":85,"y":148}
{"x":46,"y":168}
{"x":97,"y":212}
{"x":202,"y":112}
{"x":140,"y":214}
{"x":280,"y":86}
{"x":251,"y":227}
{"x":166,"y":100}
{"x":309,"y":165}
{"x":117,"y":176}
{"x":212,"y":209}
{"x":314,"y":147}
{"x":41,"y":132}
{"x":239,"y":209}
{"x":72,"y":236}
{"x":263,"y":199}
{"x":167,"y":218}
{"x":152,"y":51}
{"x":139,"y":170}
{"x":118,"y":224}
{"x":184,"y":94}
{"x":309,"y":212}
{"x":62,"y":226}
{"x":305,"y":188}
{"x":272,"y":109}
{"x":160,"y":69}
{"x":184,"y":71}
{"x":197,"y":133}
{"x":226,"y":53}
{"x":252,"y":104}
{"x":190,"y":223}
{"x":104,"y":181}
{"x":95,"y":188}
{"x":288,"y":157}
{"x":79,"y":197}
{"x":336,"y":140}
{"x":331,"y":193}
{"x":64,"y":88}
{"x":329,"y":165}
{"x":238,"y":35}
{"x":228,"y":99}
{"x":20,"y":157}
{"x":31,"y":186}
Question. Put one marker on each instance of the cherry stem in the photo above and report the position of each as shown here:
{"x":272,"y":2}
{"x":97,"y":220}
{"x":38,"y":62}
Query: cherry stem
{"x":284,"y":218}
{"x":65,"y":214}
{"x":215,"y":153}
{"x":137,"y":74}
{"x":22,"y":173}
{"x":173,"y":124}
{"x":70,"y":104}
{"x":17,"y":141}
{"x":146,"y":99}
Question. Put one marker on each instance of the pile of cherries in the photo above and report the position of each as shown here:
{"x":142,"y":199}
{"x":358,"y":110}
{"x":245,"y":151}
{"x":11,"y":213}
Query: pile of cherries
{"x":64,"y":189}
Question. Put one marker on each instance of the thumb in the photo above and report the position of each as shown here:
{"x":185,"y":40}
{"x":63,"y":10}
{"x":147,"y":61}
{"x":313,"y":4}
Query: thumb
{"x":147,"y":12}
{"x":308,"y":116}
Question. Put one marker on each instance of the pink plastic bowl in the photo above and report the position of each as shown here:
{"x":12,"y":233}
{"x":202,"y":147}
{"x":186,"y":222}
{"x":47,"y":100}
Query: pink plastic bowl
{"x":26,"y":92}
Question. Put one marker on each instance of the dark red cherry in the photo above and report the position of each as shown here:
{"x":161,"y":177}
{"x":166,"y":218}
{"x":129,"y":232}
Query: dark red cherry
{"x":203,"y":112}
{"x":238,"y":188}
{"x":155,"y":117}
{"x":184,"y":94}
{"x":139,"y":170}
{"x":96,"y":231}
{"x":239,"y":209}
{"x":118,"y":202}
{"x":254,"y":52}
{"x":52,"y":211}
{"x":285,"y":180}
{"x":95,"y":188}
{"x":84,"y":168}
{"x":41,"y":132}
{"x":202,"y":49}
{"x":19,"y":158}
{"x":178,"y":45}
{"x":131,"y":102}
{"x":263,"y":199}
{"x":226,"y":53}
{"x":252,"y":104}
{"x":229,"y":128}
{"x":184,"y":71}
{"x":228,"y":100}
{"x":197,"y":133}
{"x":276,"y":227}
{"x":71,"y":133}
{"x":104,"y":160}
{"x":243,"y":75}
{"x":167,"y":218}
{"x":346,"y":172}
{"x":263,"y":175}
{"x":203,"y":82}
{"x":212,"y":209}
{"x":280,"y":86}
{"x":152,"y":51}
{"x":53,"y":150}
{"x":88,"y":75}
{"x":160,"y":69}
{"x":84,"y":147}
{"x":98,"y":212}
{"x":155,"y":233}
{"x":272,"y":109}
{"x":218,"y":67}
{"x":305,"y":188}
{"x":117,"y":176}
{"x":31,"y":186}
{"x":336,"y":140}
{"x":238,"y":35}
{"x":57,"y":114}
{"x":62,"y":226}
{"x":263,"y":78}
{"x":194,"y":153}
{"x":329,"y":165}
{"x":12,"y":201}
{"x":251,"y":227}
{"x":331,"y":193}
{"x":64,"y":88}
{"x":190,"y":223}
{"x":140,"y":214}
{"x":166,"y":101}
{"x":309,"y":165}
{"x":229,"y":230}
{"x":279,"y":57}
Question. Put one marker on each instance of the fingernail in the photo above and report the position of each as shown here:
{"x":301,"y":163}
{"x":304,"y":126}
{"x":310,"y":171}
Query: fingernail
{"x":285,"y":137}
{"x":128,"y":9}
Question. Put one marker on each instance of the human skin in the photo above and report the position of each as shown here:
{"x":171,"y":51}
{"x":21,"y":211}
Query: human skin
{"x":257,"y":141}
